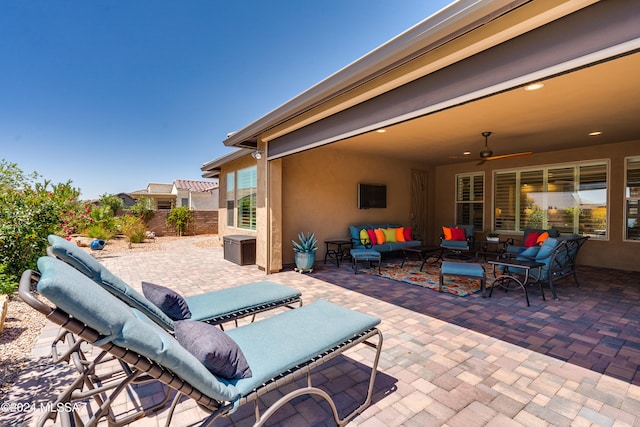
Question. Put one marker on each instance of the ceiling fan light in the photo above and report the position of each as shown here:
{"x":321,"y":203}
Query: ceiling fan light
{"x":486,"y":153}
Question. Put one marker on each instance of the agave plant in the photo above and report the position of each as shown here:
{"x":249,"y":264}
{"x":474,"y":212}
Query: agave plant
{"x":306,"y":243}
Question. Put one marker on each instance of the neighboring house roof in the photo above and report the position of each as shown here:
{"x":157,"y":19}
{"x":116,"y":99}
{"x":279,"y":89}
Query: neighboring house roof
{"x":195,"y":186}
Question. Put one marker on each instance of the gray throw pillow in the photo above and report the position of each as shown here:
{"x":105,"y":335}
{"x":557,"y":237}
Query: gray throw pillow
{"x":213,"y":348}
{"x":169,"y":301}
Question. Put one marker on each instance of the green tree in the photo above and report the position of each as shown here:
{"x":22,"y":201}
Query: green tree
{"x":29,"y":212}
{"x":112,"y":201}
{"x":142,"y":209}
{"x":179,"y":217}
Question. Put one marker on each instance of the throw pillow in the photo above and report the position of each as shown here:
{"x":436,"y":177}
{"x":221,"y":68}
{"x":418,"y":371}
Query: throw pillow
{"x":170,"y":302}
{"x":458,"y":234}
{"x":389,"y":235}
{"x":364,"y":237}
{"x":408,"y":234}
{"x":213,"y":348}
{"x":379,"y":236}
{"x":447,"y":233}
{"x":372,"y":236}
{"x":400,"y":234}
{"x":531,"y":239}
{"x":541,"y":238}
{"x":529,"y":254}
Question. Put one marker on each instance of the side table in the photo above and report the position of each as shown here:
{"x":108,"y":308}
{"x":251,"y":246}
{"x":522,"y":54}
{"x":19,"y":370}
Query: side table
{"x":510,"y":277}
{"x":336,"y":249}
{"x":490,"y":247}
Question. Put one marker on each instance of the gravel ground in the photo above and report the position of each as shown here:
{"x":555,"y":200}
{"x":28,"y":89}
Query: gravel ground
{"x":23,"y":325}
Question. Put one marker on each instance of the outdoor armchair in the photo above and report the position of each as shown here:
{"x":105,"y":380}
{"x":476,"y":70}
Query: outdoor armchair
{"x":462,"y":239}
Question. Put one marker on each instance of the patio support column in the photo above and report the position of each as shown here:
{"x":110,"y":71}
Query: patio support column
{"x":274,"y":216}
{"x":262,"y":222}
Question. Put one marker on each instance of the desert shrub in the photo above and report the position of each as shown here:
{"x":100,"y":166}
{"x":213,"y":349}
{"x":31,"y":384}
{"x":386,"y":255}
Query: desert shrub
{"x":7,"y":281}
{"x":133,"y":227}
{"x":98,"y":231}
{"x":179,"y":217}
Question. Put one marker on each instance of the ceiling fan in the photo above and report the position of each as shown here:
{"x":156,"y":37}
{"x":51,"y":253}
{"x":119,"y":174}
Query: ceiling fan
{"x":486,"y":153}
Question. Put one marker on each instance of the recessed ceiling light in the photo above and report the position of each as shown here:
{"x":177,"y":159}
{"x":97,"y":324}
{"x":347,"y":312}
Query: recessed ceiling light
{"x":534,"y":86}
{"x":595,"y":133}
{"x":381,"y":130}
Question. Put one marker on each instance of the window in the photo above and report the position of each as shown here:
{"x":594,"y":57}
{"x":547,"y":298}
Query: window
{"x":569,"y":198}
{"x":632,"y":196}
{"x":184,"y":202}
{"x":231,"y":197}
{"x":246,"y":193}
{"x":470,"y":200}
{"x":242,"y":187}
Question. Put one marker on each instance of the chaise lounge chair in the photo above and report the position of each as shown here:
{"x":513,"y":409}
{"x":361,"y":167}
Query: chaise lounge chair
{"x":216,"y":308}
{"x":277,"y":350}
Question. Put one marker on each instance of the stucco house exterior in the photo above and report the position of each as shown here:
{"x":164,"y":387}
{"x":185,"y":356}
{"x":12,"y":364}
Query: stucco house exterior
{"x":411,"y":114}
{"x":196,"y":195}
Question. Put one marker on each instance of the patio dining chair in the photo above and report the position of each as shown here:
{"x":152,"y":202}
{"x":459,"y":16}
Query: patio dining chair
{"x":254,"y":358}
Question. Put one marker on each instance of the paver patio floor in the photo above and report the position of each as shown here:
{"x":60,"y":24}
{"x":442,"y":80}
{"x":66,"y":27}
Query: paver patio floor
{"x":434,"y":371}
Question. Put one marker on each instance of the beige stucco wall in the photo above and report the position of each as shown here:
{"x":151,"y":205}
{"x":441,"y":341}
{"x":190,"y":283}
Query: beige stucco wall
{"x":610,"y":253}
{"x":319,"y":194}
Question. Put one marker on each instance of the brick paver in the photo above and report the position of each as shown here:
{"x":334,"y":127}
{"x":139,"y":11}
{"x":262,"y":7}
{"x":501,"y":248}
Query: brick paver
{"x":431,"y":372}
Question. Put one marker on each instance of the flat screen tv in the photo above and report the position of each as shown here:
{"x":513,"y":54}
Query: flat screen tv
{"x":372,"y":196}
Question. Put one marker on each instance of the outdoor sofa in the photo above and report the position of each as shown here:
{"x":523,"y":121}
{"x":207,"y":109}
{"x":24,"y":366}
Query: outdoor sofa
{"x":530,"y":237}
{"x":395,"y":237}
{"x":558,"y":256}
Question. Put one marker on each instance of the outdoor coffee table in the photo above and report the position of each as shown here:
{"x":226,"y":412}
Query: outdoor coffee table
{"x":509,"y":277}
{"x":421,"y":253}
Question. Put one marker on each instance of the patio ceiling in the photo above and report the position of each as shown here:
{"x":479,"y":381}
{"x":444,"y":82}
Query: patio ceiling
{"x":603,"y":97}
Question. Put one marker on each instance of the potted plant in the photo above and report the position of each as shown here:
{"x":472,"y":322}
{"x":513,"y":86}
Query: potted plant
{"x":492,"y":236}
{"x":305,"y":251}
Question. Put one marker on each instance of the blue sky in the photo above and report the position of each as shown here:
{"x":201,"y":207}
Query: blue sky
{"x":113,"y":95}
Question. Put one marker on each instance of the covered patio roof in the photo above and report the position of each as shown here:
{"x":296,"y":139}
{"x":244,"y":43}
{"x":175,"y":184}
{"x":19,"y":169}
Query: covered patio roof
{"x":462,"y":71}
